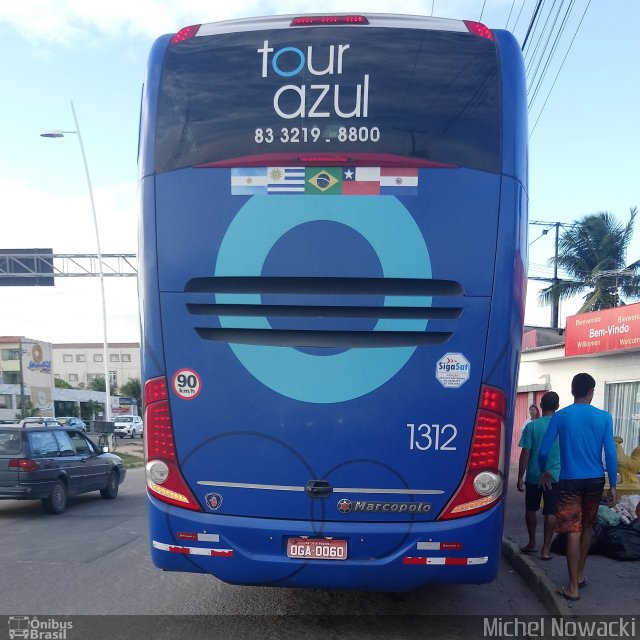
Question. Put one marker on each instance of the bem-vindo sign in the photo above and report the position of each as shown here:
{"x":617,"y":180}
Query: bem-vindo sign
{"x":607,"y":330}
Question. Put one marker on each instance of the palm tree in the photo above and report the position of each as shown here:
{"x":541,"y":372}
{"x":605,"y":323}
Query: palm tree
{"x":97,"y":384}
{"x":593,"y":251}
{"x":133,"y":389}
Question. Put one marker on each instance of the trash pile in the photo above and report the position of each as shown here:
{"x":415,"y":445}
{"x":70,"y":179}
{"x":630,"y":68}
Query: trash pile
{"x":616,"y":531}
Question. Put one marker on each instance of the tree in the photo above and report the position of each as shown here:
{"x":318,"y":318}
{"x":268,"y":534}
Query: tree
{"x":133,"y":389}
{"x":97,"y":384}
{"x":62,"y":384}
{"x":593,"y":251}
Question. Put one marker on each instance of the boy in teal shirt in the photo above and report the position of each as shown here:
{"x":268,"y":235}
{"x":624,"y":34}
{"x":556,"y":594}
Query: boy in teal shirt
{"x":530,"y":442}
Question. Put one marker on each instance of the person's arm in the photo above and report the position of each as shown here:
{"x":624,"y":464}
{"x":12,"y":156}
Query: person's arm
{"x":611,"y":460}
{"x":523,"y":463}
{"x":545,"y":446}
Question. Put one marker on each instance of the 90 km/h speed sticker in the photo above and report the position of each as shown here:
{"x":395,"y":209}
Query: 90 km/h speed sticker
{"x":186,"y":383}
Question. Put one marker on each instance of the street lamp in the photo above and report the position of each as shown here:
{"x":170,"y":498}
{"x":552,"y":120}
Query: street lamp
{"x":107,"y":386}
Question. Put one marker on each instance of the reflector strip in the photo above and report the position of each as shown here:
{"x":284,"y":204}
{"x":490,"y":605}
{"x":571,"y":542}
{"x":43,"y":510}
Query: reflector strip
{"x":445,"y":561}
{"x":200,"y":537}
{"x":439,"y":546}
{"x":193,"y":551}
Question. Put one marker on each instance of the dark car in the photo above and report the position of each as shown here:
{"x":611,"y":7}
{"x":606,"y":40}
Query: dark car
{"x":48,"y":463}
{"x":71,"y":422}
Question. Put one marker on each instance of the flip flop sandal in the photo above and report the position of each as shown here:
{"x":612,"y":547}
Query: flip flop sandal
{"x":566,"y":596}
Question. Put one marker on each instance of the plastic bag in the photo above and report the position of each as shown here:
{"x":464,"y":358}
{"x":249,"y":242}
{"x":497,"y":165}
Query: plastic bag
{"x":621,"y":542}
{"x":607,"y":517}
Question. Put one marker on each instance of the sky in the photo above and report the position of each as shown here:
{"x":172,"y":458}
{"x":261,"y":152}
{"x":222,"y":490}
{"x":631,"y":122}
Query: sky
{"x":583,"y":156}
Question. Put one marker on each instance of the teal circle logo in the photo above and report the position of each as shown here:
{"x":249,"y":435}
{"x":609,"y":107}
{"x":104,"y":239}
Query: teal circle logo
{"x":393,"y":234}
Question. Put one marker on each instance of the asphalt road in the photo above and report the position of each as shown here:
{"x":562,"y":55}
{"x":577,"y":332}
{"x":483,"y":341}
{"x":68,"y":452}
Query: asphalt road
{"x":94,"y":560}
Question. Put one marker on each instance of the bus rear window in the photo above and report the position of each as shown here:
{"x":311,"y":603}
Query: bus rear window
{"x":433,"y":96}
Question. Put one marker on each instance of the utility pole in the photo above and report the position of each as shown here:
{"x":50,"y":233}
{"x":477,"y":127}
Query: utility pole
{"x":555,"y":305}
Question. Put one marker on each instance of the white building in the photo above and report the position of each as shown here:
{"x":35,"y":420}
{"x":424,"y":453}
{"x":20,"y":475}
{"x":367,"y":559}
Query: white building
{"x":28,"y":369}
{"x":79,"y":363}
{"x":605,"y":344}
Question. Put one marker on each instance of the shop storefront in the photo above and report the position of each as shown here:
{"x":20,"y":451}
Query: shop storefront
{"x":605,"y":344}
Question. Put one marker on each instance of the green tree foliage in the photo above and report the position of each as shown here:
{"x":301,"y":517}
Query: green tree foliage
{"x":593,"y":252}
{"x":133,"y":389}
{"x":62,"y":384}
{"x":97,"y":384}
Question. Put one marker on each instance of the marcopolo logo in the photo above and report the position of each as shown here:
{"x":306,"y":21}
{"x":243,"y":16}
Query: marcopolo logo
{"x":34,"y":628}
{"x":314,"y":100}
{"x":348,"y":506}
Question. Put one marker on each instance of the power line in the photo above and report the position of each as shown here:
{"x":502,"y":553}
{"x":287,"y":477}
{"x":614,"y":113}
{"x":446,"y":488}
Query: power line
{"x":481,"y":12}
{"x":560,"y":69}
{"x":554,"y":47}
{"x":531,"y":22}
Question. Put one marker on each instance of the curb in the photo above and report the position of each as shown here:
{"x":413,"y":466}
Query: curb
{"x":536,"y":579}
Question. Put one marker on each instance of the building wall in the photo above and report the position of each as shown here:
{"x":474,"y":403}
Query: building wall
{"x":38,"y":363}
{"x":551,"y":369}
{"x":77,"y":364}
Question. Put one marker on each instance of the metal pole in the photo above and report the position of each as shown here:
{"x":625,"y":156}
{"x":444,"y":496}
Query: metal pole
{"x":105,"y":350}
{"x":554,"y":302}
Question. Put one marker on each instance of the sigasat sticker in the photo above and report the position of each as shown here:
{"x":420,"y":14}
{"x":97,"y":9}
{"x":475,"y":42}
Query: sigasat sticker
{"x":452,"y":370}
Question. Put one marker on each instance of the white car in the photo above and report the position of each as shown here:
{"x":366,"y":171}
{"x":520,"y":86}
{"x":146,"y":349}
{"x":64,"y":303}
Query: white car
{"x":128,"y":426}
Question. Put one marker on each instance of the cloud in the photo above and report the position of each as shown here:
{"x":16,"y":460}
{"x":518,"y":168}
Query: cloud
{"x":46,"y":220}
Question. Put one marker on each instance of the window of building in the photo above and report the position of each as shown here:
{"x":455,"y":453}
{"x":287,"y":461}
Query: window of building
{"x":97,"y":357}
{"x":114,"y":357}
{"x":113,"y":378}
{"x":80,"y":357}
{"x":9,"y":377}
{"x":73,"y":377}
{"x":67,"y":357}
{"x":623,"y":403}
{"x":126,"y":357}
{"x":5,"y":401}
{"x":93,"y":376}
{"x":10,"y":354}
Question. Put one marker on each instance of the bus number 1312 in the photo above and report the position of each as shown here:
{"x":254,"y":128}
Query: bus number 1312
{"x":432,"y":436}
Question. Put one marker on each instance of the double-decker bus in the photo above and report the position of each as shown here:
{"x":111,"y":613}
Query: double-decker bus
{"x":332,"y":279}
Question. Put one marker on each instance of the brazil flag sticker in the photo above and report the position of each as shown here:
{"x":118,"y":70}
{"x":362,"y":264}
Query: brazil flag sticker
{"x":323,"y":181}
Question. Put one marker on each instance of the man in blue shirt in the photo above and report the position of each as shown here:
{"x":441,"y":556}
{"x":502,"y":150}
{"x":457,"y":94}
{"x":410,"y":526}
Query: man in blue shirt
{"x":584,"y":432}
{"x":530,"y":442}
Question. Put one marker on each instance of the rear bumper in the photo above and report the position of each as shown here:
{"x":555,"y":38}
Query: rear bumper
{"x":26,"y":491}
{"x":398,"y":556}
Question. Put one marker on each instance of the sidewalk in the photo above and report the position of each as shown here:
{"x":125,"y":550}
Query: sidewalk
{"x":613,"y":587}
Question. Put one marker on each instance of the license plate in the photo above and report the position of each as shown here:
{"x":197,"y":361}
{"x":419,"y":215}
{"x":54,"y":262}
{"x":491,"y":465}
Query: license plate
{"x":316,"y":549}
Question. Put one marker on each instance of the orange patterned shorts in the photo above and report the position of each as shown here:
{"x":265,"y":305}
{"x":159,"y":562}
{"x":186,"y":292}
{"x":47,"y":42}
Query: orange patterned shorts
{"x":577,"y":504}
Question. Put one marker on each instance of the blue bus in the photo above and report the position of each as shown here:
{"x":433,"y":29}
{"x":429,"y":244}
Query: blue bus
{"x":332,"y":279}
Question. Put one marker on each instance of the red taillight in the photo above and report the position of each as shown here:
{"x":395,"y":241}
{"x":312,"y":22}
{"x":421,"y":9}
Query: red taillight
{"x":185,"y":34}
{"x":164,"y":479}
{"x":485,"y":449}
{"x":308,"y":21}
{"x":23,"y":464}
{"x":482,"y":483}
{"x":478,"y":29}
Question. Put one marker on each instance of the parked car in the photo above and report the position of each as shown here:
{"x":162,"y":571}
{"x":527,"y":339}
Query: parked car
{"x":50,"y":462}
{"x":71,"y":422}
{"x":128,"y":426}
{"x":38,"y":421}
